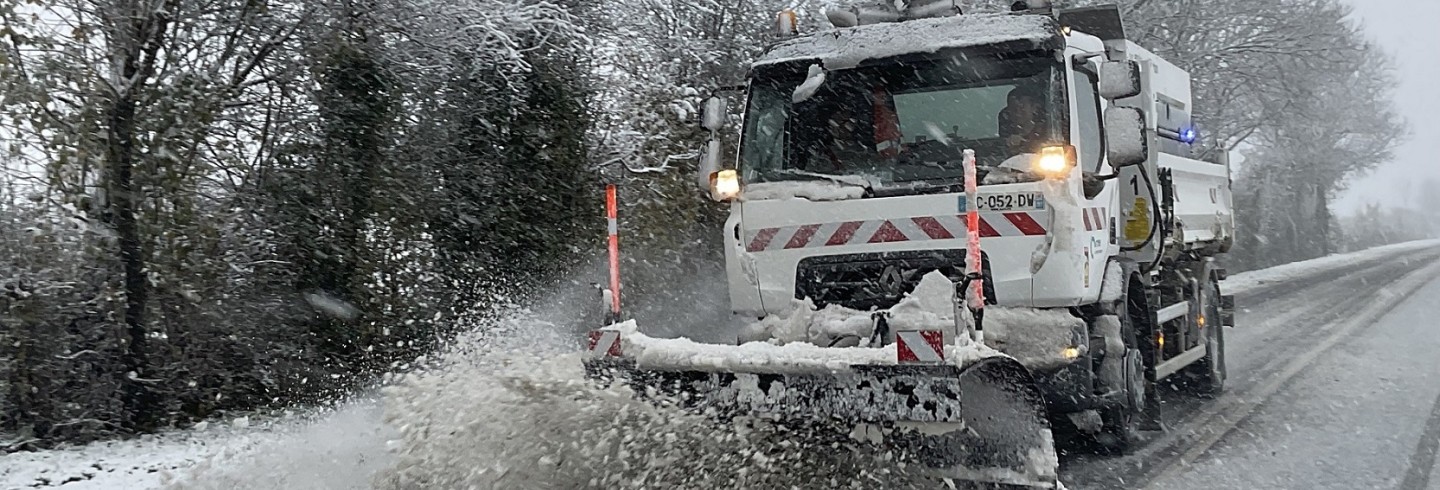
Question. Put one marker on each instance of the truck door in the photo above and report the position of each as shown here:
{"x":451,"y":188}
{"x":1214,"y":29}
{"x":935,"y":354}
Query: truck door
{"x":1087,"y":135}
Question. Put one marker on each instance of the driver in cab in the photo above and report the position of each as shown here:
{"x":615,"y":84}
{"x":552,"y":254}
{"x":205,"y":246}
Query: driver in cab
{"x":1022,"y":126}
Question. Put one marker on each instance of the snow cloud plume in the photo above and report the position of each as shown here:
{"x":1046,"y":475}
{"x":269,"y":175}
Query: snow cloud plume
{"x":496,"y":414}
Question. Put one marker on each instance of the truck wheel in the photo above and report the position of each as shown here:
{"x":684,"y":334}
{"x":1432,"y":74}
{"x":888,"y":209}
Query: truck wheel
{"x":1207,"y":376}
{"x":1120,"y":429}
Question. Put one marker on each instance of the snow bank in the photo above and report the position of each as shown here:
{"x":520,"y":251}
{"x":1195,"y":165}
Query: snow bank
{"x":1249,"y":281}
{"x":335,"y":449}
{"x":146,"y":462}
{"x":847,"y":47}
{"x":329,"y":449}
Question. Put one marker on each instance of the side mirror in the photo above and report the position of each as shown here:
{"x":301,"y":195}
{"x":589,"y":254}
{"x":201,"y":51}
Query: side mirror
{"x":713,"y":117}
{"x":1125,"y":140}
{"x":709,"y":164}
{"x":1119,"y":79}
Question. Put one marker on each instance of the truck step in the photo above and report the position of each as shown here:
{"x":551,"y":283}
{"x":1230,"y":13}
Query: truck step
{"x":1227,"y":310}
{"x":1172,"y":312}
{"x":1179,"y":362}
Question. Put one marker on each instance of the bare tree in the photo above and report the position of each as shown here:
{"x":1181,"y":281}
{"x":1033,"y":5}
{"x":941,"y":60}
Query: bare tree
{"x":121,"y":96}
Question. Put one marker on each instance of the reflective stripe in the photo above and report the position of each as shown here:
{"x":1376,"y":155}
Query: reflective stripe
{"x":762,"y":239}
{"x":1094,"y":218}
{"x":827,"y":232}
{"x":921,"y":346}
{"x":911,"y":229}
{"x":1025,"y":224}
{"x":866,"y":232}
{"x":844,"y":233}
{"x":802,"y":236}
{"x":933,"y":228}
{"x":604,"y":343}
{"x":920,"y":228}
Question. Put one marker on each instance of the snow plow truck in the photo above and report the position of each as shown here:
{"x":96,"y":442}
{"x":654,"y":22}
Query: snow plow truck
{"x":956,"y":230}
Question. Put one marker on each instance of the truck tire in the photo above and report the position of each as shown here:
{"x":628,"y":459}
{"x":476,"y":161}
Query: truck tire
{"x":1120,"y":429}
{"x":1207,"y":376}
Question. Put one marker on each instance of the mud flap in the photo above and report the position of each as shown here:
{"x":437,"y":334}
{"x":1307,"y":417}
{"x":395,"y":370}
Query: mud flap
{"x":982,"y":424}
{"x":1227,"y":310}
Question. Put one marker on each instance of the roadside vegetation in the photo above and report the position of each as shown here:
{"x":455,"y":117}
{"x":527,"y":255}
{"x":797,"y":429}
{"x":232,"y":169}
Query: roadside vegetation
{"x":222,"y":205}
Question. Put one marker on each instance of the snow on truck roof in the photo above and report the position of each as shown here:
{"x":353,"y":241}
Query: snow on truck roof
{"x":848,"y":47}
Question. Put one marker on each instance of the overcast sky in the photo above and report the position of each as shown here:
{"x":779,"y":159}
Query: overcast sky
{"x":1410,"y":31}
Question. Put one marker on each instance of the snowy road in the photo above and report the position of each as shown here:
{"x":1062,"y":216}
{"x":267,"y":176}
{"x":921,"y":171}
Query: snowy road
{"x":1333,"y":384}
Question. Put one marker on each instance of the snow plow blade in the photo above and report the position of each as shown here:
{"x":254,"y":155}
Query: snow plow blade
{"x":983,"y":425}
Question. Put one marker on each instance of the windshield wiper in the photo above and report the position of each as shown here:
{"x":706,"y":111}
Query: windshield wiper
{"x":914,"y":187}
{"x":850,"y":180}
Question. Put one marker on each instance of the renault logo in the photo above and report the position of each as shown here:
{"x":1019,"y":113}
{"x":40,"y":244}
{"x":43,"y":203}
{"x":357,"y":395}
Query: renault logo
{"x":892,"y":281}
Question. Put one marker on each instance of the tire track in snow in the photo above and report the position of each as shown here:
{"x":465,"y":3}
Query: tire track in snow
{"x":1422,"y":461}
{"x":1326,"y":306}
{"x":1233,"y":408}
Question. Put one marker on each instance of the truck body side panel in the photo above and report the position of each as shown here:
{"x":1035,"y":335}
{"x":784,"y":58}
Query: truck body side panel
{"x":740,"y":270}
{"x":1203,"y":211}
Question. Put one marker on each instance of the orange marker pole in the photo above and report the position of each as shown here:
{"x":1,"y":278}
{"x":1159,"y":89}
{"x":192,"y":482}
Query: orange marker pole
{"x":611,"y":214}
{"x":972,"y":256}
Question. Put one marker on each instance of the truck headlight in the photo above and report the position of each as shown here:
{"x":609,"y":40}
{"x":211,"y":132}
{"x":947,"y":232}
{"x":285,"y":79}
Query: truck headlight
{"x":725,"y":185}
{"x":1054,"y":162}
{"x":1070,"y":353}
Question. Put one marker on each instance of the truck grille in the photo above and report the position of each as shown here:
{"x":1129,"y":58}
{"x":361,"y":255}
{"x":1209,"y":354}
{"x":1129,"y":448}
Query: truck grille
{"x":877,"y":280}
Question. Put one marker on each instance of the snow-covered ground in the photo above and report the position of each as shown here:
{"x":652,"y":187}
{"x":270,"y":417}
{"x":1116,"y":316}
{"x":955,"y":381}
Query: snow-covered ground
{"x":487,"y":415}
{"x":329,"y":449}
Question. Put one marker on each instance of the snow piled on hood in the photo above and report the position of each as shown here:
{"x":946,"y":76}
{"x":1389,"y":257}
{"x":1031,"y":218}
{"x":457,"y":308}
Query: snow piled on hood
{"x":844,"y":48}
{"x":814,"y":191}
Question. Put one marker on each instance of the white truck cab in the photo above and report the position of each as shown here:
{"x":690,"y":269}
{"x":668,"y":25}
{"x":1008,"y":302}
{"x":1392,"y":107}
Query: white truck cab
{"x":849,"y":187}
{"x":850,"y":163}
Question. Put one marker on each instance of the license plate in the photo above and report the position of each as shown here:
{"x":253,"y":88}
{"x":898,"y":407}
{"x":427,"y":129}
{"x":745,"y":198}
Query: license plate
{"x":1012,"y":201}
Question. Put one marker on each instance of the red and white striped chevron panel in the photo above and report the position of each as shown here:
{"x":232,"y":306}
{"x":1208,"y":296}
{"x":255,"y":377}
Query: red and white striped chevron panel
{"x":888,"y":231}
{"x":1095,"y":218}
{"x":920,"y":346}
{"x":604,"y":343}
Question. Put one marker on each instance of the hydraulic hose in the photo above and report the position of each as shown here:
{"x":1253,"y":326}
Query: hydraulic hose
{"x":1154,"y":221}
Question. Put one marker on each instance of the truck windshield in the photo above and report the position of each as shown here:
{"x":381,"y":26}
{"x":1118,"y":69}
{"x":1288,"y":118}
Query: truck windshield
{"x":902,"y":121}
